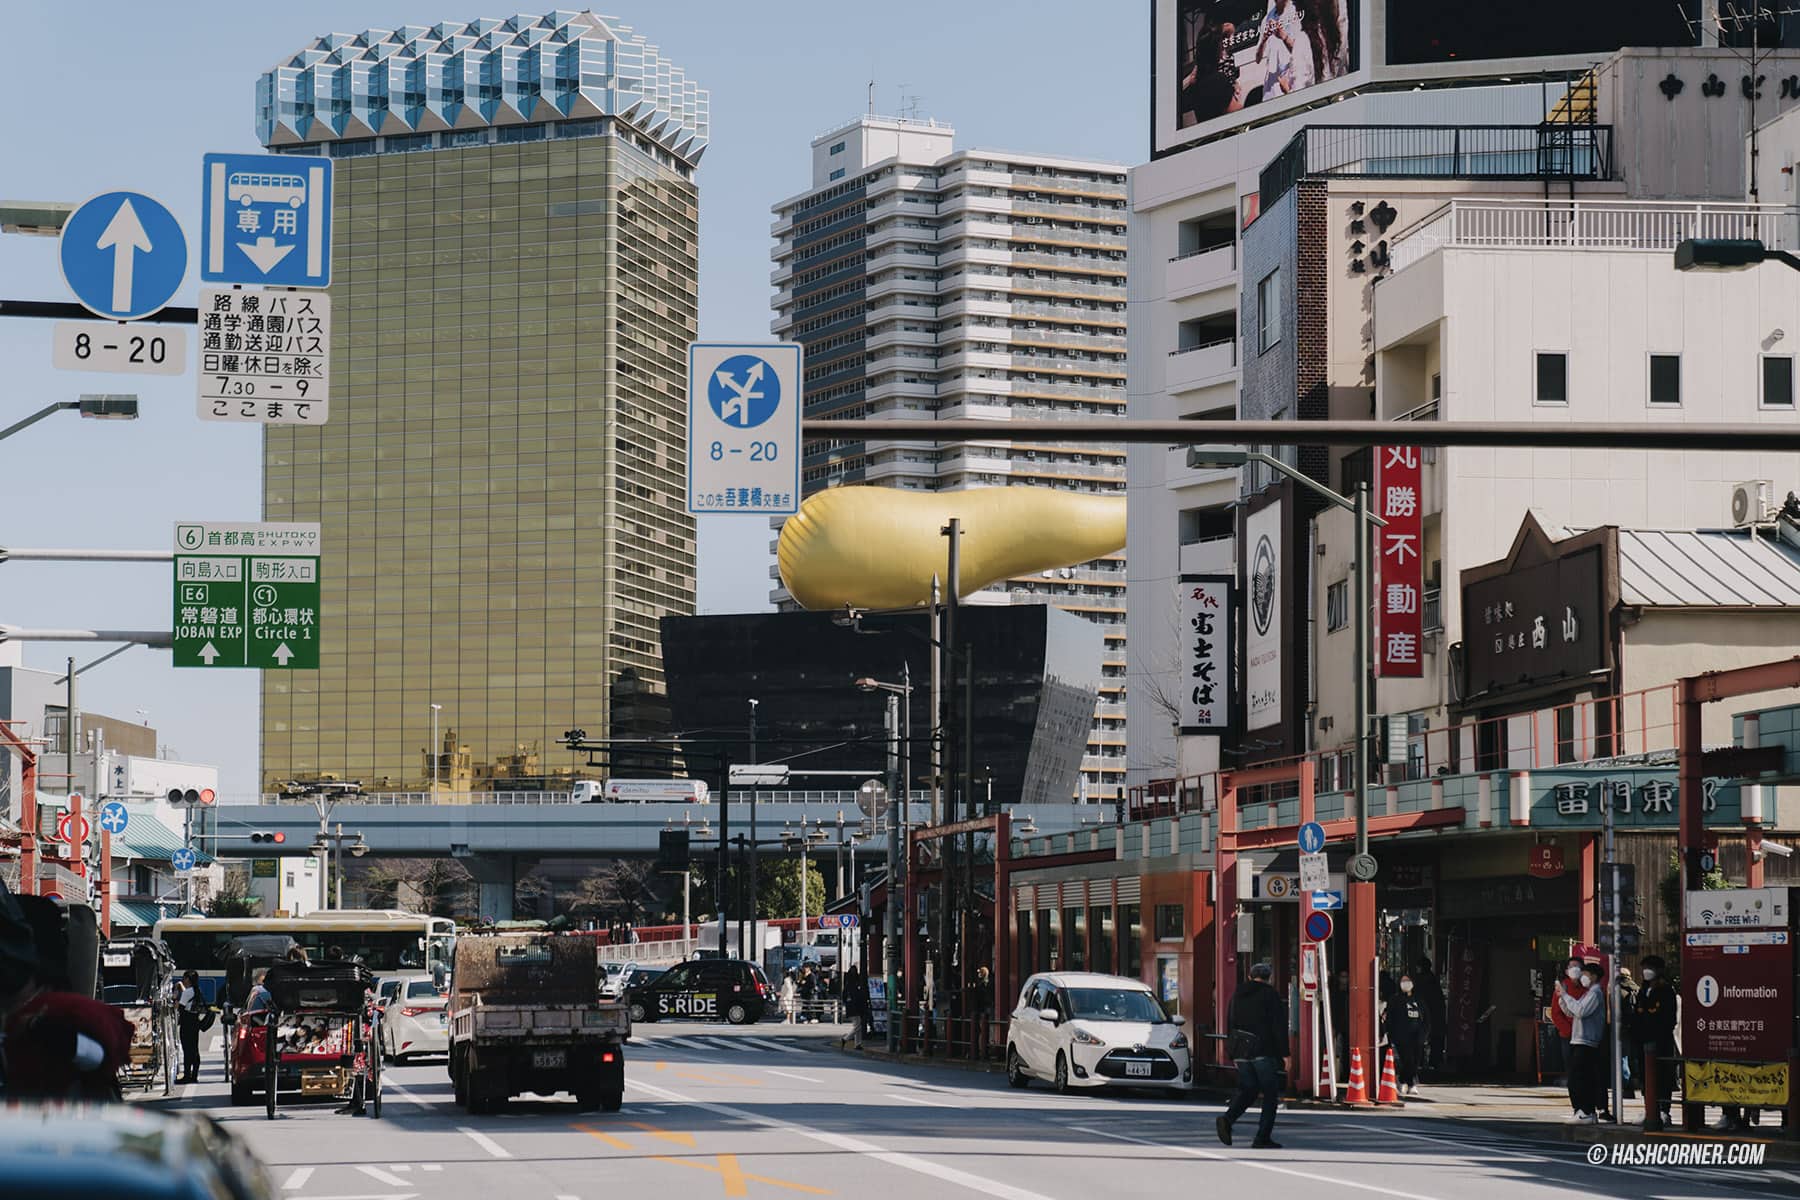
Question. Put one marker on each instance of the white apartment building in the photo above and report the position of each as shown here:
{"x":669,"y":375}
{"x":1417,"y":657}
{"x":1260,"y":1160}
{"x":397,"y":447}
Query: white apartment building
{"x":1249,"y":301}
{"x":927,"y":282}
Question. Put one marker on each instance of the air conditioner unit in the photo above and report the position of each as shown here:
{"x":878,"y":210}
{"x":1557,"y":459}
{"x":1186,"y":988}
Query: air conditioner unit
{"x":1752,"y":502}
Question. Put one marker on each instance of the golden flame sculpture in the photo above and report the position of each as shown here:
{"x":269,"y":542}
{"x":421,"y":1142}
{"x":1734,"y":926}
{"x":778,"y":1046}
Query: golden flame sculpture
{"x":875,"y":547}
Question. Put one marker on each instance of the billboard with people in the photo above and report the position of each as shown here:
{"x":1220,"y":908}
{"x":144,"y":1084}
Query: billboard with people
{"x":1219,"y":58}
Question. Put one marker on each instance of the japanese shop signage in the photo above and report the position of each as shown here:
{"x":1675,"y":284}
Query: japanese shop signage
{"x":1541,"y":616}
{"x":1263,"y":565}
{"x":1399,"y":562}
{"x":1575,"y":798}
{"x":1205,"y":684}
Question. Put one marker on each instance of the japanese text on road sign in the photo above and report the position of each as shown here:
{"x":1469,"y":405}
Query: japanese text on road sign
{"x":265,"y":356}
{"x":744,"y":428}
{"x":266,"y":219}
{"x":247,"y":595}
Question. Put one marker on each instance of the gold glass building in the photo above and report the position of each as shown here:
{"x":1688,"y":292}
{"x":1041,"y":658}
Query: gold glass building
{"x":501,"y":482}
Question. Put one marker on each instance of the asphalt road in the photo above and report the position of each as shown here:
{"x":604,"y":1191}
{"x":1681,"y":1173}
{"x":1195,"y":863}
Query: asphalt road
{"x":775,"y":1111}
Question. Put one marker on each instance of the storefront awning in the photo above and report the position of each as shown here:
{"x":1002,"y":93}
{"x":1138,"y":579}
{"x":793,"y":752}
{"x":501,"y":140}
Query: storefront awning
{"x":147,"y":838}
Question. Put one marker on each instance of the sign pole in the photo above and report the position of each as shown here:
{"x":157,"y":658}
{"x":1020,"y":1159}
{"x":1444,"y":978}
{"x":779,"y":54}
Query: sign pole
{"x":1612,"y":960}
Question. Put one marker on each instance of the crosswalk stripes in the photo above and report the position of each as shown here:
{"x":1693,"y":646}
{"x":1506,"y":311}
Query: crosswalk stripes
{"x":712,"y":1044}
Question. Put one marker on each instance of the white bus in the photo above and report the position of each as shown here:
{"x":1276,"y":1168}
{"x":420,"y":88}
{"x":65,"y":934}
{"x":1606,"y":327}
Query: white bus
{"x":390,"y":942}
{"x":248,"y":187}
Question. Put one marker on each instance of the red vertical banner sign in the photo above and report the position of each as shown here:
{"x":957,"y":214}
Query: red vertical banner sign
{"x":1399,"y":562}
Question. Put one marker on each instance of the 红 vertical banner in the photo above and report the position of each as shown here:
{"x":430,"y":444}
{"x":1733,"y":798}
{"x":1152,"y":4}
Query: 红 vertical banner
{"x":1205,"y":683}
{"x":1399,"y":562}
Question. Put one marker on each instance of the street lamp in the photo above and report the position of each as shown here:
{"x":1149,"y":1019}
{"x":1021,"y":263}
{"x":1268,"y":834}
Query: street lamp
{"x":332,"y":845}
{"x":436,"y":746}
{"x":93,"y":407}
{"x":38,"y":218}
{"x":1727,"y":254}
{"x":803,"y":839}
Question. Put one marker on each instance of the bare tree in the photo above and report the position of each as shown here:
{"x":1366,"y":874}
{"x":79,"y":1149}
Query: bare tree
{"x":623,"y":888}
{"x":437,"y":886}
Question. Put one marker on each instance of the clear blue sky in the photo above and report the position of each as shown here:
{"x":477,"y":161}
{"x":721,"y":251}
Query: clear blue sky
{"x":110,"y":94}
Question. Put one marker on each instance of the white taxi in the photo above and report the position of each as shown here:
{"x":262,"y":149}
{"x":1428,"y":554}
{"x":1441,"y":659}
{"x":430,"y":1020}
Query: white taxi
{"x":1078,"y":1029}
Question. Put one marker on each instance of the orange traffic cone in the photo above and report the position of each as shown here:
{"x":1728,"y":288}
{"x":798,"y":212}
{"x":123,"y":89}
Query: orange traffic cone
{"x":1358,"y":1090}
{"x":1390,"y":1082}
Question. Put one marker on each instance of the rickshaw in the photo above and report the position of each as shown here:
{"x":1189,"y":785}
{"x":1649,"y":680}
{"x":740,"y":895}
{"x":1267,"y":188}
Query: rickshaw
{"x":319,"y":1039}
{"x":242,"y":957}
{"x":135,"y":979}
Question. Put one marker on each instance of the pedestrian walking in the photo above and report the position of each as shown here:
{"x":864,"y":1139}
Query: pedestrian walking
{"x":1653,"y":1027}
{"x":855,"y":998}
{"x":789,"y":992}
{"x":1628,"y":1048}
{"x":1257,"y":1043}
{"x":188,"y":1010}
{"x":1570,"y":984}
{"x":809,"y":993}
{"x":1409,"y":1025}
{"x":1587,"y":1033}
{"x":1430,"y":991}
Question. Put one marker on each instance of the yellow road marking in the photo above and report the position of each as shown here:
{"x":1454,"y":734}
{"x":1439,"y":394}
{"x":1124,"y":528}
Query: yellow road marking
{"x":680,"y":1139}
{"x":609,"y":1139}
{"x":661,"y":1066}
{"x":735,"y":1177}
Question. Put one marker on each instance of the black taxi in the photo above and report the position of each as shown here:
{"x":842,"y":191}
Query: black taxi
{"x":703,"y":989}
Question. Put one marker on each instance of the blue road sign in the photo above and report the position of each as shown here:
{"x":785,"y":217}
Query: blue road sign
{"x":1324,"y":901}
{"x":183,"y":859}
{"x":114,"y":817}
{"x":266,"y":219}
{"x":1312,"y":838}
{"x":123,"y":255}
{"x":744,"y":428}
{"x":1318,"y":925}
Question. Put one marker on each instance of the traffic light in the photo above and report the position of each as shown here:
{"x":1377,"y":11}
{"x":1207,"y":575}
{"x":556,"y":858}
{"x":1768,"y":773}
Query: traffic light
{"x":672,"y":852}
{"x":264,"y":838}
{"x":191,"y":797}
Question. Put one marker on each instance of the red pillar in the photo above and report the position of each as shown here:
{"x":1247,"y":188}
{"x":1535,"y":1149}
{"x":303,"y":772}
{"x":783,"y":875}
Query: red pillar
{"x":1589,"y":917}
{"x":1361,"y":1034}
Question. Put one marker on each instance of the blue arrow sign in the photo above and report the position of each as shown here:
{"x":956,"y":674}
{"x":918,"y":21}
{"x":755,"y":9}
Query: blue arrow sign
{"x":1312,"y":838}
{"x":183,"y":859}
{"x":123,"y":255}
{"x":1325,"y":901}
{"x":114,"y":817}
{"x":266,"y":219}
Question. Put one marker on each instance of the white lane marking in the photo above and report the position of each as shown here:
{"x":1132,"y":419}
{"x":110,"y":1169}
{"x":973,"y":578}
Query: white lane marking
{"x":387,"y":1085}
{"x":769,"y":1045}
{"x":381,"y":1176}
{"x":686,"y":1043}
{"x":432,"y":1167}
{"x":731,"y":1044}
{"x":484,"y":1141}
{"x":298,"y":1178}
{"x":914,"y":1100}
{"x":1336,"y":1181}
{"x":1546,"y":1157}
{"x":893,"y":1158}
{"x":792,"y":1075}
{"x":400,"y":1167}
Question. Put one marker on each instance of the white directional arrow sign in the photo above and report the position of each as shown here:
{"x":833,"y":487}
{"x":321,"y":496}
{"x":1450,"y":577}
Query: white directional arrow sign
{"x":209,"y":653}
{"x":736,"y":411}
{"x":283,"y":654}
{"x":124,"y":236}
{"x":265,"y":252}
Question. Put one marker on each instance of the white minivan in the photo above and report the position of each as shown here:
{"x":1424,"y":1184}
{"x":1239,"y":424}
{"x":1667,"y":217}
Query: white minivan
{"x":1078,"y":1029}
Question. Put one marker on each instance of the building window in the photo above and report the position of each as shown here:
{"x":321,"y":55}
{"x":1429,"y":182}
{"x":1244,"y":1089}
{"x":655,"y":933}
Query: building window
{"x":1437,"y":387}
{"x":1337,"y":606}
{"x":1131,"y":936}
{"x":837,"y":174}
{"x":1552,"y":378}
{"x":1169,"y":925}
{"x":1778,"y":381}
{"x":1665,"y":379}
{"x":1268,"y":310}
{"x":837,"y":147}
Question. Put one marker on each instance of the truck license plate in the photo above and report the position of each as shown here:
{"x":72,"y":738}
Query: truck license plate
{"x":1138,"y":1068}
{"x":549,"y":1060}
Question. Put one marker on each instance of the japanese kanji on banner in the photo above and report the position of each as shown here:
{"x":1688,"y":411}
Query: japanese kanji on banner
{"x":1399,"y":562}
{"x":1205,"y":684}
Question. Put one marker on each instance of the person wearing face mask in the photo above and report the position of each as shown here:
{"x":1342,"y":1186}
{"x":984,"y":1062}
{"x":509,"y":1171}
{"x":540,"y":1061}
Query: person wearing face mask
{"x":1587,"y":1032}
{"x":1409,"y":1021}
{"x":1653,"y":1027}
{"x":1565,"y":1025}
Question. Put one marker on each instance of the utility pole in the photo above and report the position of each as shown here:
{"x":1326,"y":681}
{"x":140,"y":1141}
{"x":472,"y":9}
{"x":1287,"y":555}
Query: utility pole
{"x":1365,"y":615}
{"x":755,"y":853}
{"x":1611,"y":884}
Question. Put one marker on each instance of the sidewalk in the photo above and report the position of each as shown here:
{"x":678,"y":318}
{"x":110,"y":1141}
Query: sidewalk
{"x":1523,"y":1111}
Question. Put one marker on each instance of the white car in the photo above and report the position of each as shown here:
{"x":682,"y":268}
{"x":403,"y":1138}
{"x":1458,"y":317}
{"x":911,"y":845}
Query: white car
{"x":1082,"y":1030}
{"x":415,"y":1021}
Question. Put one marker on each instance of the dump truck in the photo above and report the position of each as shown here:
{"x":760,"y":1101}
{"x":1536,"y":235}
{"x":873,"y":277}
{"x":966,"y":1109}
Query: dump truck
{"x":526,"y":1015}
